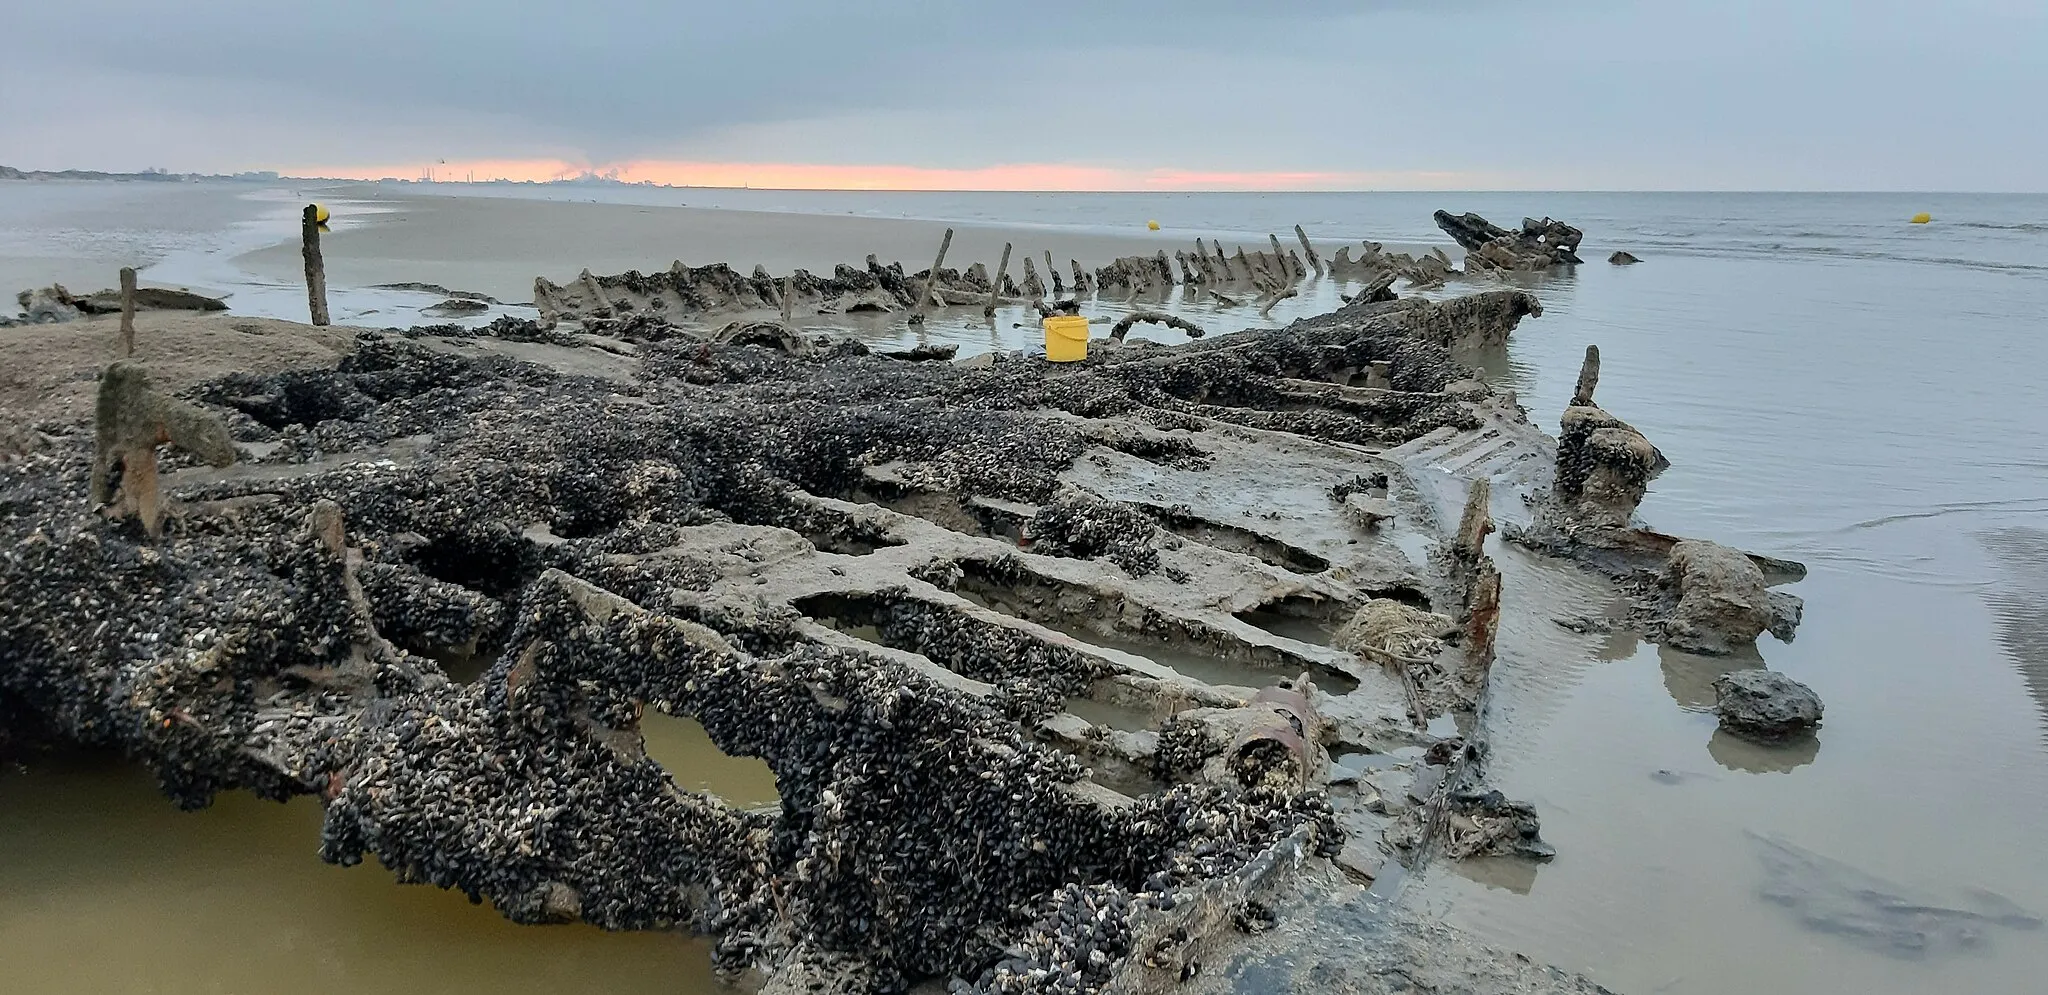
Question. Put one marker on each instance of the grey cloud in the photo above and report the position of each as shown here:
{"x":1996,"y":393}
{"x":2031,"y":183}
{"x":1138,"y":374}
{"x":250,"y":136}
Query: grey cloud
{"x":1836,"y":94}
{"x":619,"y":77}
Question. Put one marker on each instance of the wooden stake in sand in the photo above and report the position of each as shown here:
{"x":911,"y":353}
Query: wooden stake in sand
{"x":788,"y":299}
{"x":127,"y":311}
{"x":995,"y":286}
{"x":1589,"y":378}
{"x":316,"y":271}
{"x":931,"y":283}
{"x":1313,"y":259}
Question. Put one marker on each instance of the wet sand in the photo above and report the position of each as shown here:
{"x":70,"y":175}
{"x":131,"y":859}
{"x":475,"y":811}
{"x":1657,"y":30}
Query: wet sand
{"x":56,"y":380}
{"x":1792,"y":430}
{"x":80,"y":234}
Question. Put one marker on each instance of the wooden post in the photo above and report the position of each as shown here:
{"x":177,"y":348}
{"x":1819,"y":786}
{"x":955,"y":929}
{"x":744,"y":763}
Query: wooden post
{"x":127,"y":311}
{"x":316,"y":270}
{"x":788,"y":299}
{"x":1589,"y":378}
{"x":1280,"y":259}
{"x":995,"y":286}
{"x":931,"y":283}
{"x":1313,"y":259}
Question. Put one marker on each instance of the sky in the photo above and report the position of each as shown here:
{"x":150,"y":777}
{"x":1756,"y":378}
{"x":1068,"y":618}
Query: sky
{"x":1051,"y":94}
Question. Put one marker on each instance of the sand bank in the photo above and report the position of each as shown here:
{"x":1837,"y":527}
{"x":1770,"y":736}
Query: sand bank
{"x":497,"y":246}
{"x":50,"y":372}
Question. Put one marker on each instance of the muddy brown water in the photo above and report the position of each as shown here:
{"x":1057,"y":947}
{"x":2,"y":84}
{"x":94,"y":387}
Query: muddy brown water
{"x":1128,"y":718}
{"x":106,"y":888}
{"x":1305,"y":630}
{"x":684,"y":749}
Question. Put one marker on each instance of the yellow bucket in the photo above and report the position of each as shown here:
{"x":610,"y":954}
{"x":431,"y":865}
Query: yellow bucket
{"x":1066,"y":337}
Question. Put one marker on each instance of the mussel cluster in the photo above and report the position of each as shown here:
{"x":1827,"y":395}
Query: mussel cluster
{"x":1081,"y":526}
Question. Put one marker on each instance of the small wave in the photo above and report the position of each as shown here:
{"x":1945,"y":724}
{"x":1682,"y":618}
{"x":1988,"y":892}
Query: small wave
{"x":2023,"y":226}
{"x":1755,"y":249}
{"x":1960,"y":508}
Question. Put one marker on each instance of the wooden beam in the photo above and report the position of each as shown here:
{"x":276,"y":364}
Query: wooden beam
{"x":931,"y":282}
{"x":995,"y":286}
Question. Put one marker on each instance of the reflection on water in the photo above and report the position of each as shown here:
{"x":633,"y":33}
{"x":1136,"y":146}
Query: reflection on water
{"x":2020,"y":604}
{"x":1516,"y":875}
{"x":1735,"y":753}
{"x":1690,"y":677}
{"x":108,"y":888}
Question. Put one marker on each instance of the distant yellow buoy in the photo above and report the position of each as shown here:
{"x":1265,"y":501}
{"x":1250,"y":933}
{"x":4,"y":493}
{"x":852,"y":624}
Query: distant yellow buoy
{"x":1154,"y":225}
{"x":320,"y":214}
{"x":1922,"y":218}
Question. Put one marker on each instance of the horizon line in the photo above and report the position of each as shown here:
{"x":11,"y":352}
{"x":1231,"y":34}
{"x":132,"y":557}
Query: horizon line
{"x":120,"y":177}
{"x":597,"y":178}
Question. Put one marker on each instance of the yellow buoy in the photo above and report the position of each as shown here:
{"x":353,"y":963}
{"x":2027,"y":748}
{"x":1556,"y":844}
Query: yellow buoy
{"x":1066,"y":337}
{"x":1154,"y":225}
{"x":1922,"y":218}
{"x":320,"y":214}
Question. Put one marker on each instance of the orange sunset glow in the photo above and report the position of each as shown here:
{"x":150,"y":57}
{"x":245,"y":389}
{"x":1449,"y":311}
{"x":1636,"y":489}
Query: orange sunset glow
{"x":820,"y":176}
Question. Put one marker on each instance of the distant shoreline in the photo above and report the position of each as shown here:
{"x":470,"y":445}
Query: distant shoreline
{"x":600,"y":182}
